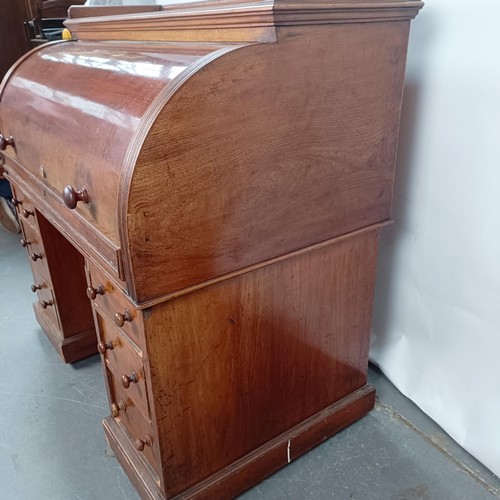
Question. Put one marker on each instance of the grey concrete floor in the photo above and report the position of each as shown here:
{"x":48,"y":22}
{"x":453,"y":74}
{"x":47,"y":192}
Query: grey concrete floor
{"x":52,"y":446}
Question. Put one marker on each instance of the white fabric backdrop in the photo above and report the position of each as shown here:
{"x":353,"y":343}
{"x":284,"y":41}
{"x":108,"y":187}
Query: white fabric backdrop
{"x":436,"y":327}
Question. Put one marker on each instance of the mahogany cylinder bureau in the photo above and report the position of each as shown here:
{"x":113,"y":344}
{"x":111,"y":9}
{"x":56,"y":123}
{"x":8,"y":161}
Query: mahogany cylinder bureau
{"x":203,"y":188}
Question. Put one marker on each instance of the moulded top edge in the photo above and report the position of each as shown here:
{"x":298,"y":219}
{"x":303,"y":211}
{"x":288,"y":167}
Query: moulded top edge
{"x":237,"y":14}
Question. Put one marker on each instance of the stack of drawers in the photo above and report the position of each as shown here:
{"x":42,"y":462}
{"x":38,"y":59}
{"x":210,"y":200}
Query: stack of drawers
{"x":58,"y":281}
{"x":45,"y":307}
{"x":122,"y":345}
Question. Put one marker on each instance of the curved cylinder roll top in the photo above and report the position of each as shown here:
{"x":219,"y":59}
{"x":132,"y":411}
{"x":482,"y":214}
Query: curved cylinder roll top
{"x":74,"y":109}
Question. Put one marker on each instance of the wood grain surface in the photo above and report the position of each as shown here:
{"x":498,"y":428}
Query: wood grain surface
{"x":89,"y":100}
{"x":238,"y":20}
{"x":238,"y":363}
{"x":268,"y":149}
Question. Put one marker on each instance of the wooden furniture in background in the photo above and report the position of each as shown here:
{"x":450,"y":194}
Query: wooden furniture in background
{"x":77,"y":11}
{"x":13,"y":43}
{"x":224,"y":169}
{"x":45,"y":19}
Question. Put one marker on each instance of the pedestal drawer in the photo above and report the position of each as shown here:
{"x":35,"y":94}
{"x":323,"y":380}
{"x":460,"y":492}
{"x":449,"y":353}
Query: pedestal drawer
{"x":24,"y":206}
{"x":123,"y":362}
{"x":47,"y":306}
{"x":106,"y":294}
{"x":36,"y":252}
{"x":139,"y":429}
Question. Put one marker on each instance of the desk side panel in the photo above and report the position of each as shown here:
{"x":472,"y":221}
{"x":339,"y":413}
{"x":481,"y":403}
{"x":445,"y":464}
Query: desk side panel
{"x":269,"y":149}
{"x":238,"y":363}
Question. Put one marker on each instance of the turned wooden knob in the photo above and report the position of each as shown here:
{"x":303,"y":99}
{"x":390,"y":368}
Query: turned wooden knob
{"x":129,"y":379}
{"x":46,"y":303}
{"x":6,"y":141}
{"x":34,"y":288}
{"x":121,"y":318}
{"x":25,"y":243}
{"x":28,"y":213}
{"x":103,"y":347}
{"x":16,"y":202}
{"x":116,"y":408}
{"x":36,"y":256}
{"x":140,"y":444}
{"x":92,"y":292}
{"x":72,"y":197}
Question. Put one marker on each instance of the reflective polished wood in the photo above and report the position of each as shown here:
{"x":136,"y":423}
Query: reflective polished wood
{"x":204,"y":186}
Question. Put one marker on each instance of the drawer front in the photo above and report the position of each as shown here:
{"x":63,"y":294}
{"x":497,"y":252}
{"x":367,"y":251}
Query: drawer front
{"x":138,"y":428}
{"x":74,"y":182}
{"x":40,"y":280}
{"x":123,"y":362}
{"x":47,"y":305}
{"x":112,"y":300}
{"x":25,"y":208}
{"x":36,"y":252}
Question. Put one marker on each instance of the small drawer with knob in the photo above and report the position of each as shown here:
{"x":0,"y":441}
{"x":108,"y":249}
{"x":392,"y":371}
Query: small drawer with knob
{"x":46,"y":303}
{"x":25,"y":209}
{"x":138,"y":429}
{"x":107,"y":295}
{"x":32,"y":242}
{"x":30,"y":236}
{"x":123,"y":361}
{"x":40,"y":282}
{"x":24,"y":206}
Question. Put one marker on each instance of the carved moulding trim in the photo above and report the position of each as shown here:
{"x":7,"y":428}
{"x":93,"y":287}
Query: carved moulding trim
{"x":225,"y":20}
